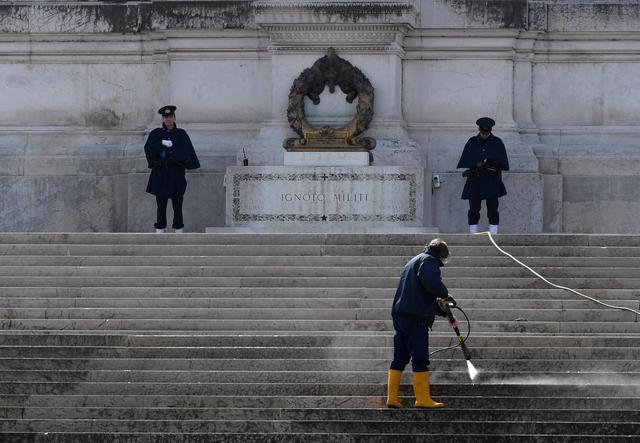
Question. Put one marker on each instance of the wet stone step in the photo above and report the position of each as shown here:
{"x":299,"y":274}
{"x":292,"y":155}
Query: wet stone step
{"x":517,"y":388}
{"x":380,"y":414}
{"x":580,"y":401}
{"x":351,"y":339}
{"x":169,"y":437}
{"x":341,"y":426}
{"x":459,"y":374}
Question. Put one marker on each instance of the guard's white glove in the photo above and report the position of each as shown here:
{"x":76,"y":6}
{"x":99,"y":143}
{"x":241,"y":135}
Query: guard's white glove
{"x":167,"y":143}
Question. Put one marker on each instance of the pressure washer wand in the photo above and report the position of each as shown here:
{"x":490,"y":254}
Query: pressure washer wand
{"x":446,"y":306}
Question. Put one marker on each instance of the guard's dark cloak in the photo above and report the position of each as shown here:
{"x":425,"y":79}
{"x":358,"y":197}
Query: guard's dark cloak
{"x":167,"y":177}
{"x":486,"y":183}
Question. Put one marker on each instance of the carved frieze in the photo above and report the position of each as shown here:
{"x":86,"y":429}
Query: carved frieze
{"x":359,"y":26}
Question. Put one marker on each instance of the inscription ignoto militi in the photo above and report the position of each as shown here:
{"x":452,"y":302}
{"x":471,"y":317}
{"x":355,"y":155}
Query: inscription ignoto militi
{"x":351,"y":196}
{"x":312,"y":196}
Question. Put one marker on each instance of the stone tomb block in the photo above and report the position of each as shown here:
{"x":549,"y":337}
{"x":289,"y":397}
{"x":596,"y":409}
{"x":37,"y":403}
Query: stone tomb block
{"x":337,"y":198}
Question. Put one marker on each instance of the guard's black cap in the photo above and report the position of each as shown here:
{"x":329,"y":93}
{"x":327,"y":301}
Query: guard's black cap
{"x":485,"y":124}
{"x":167,"y":110}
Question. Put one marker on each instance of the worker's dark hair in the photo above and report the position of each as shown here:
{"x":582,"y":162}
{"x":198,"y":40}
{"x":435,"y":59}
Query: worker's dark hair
{"x":438,"y":248}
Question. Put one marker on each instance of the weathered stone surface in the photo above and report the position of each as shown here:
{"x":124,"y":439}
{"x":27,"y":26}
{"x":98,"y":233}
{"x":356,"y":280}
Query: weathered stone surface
{"x":57,"y":203}
{"x":201,"y":15}
{"x":96,"y":16}
{"x":618,"y":15}
{"x":474,"y":13}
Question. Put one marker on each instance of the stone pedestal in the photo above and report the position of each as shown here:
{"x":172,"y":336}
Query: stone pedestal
{"x":325,"y":199}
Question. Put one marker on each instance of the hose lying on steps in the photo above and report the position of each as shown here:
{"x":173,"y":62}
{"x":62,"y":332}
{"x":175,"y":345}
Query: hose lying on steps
{"x":622,"y":308}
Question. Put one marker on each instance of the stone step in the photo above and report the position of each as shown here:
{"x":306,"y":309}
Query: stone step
{"x":608,"y":353}
{"x":293,"y":303}
{"x":235,"y":261}
{"x":85,"y":319}
{"x":325,"y":260}
{"x":303,"y":250}
{"x":593,"y":314}
{"x":338,"y":402}
{"x":323,"y":426}
{"x":59,"y":338}
{"x":459,"y":387}
{"x":113,"y":313}
{"x":272,"y":271}
{"x":460,"y":260}
{"x":133,"y":293}
{"x":157,"y":326}
{"x":239,"y":377}
{"x":564,"y":240}
{"x":410,"y":414}
{"x":342,"y":282}
{"x":303,"y":271}
{"x":312,"y":437}
{"x":442,"y":362}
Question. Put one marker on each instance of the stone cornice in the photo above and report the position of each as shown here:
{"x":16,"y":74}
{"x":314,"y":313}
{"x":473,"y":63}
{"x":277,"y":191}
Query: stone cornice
{"x":347,"y":26}
{"x":151,"y":47}
{"x":534,"y":46}
{"x":350,"y":37}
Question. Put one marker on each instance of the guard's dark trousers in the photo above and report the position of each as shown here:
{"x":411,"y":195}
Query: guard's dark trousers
{"x":492,"y":211}
{"x":410,"y":342}
{"x":176,"y":202}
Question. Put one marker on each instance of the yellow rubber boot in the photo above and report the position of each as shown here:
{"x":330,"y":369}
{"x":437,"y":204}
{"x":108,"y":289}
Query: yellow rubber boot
{"x":393,"y":386}
{"x":421,"y":390}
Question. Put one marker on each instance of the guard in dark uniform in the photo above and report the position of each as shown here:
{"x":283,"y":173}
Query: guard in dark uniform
{"x":169,"y":153}
{"x":485,"y":157}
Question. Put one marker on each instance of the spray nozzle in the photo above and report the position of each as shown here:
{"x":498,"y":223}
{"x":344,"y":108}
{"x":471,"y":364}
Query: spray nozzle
{"x":447,"y":305}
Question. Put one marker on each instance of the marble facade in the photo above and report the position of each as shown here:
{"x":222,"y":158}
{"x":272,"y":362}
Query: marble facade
{"x":80,"y":83}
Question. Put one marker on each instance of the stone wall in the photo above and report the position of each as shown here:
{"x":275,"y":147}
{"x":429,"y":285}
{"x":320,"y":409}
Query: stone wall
{"x":80,"y":83}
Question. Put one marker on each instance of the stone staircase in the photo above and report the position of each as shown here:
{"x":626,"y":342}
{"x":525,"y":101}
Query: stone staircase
{"x":267,"y":337}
